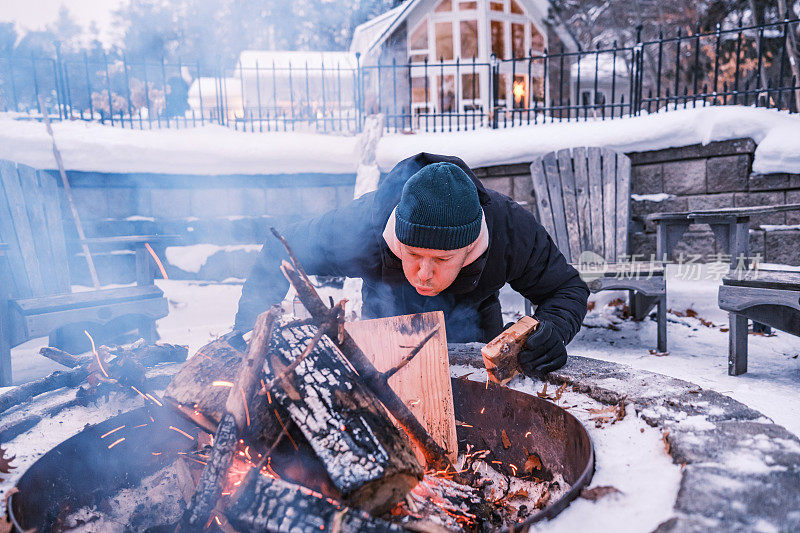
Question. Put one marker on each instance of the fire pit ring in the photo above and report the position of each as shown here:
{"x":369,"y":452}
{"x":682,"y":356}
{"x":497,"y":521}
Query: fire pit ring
{"x":64,"y":479}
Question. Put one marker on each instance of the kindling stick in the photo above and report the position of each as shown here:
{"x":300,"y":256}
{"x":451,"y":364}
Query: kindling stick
{"x":435,"y":455}
{"x":68,"y":193}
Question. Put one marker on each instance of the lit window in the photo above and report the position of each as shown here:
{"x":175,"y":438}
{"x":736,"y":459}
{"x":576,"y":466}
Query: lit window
{"x":444,"y":5}
{"x":496,"y":6}
{"x":519,"y":92}
{"x":517,"y":40}
{"x":498,"y":39}
{"x":446,"y":96}
{"x":419,"y":37}
{"x":502,"y":88}
{"x":470,"y":86}
{"x":515,"y":8}
{"x":444,"y":40}
{"x":468,"y":6}
{"x":469,"y":39}
{"x":418,"y":90}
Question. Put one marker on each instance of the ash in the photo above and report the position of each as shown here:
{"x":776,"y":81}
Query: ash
{"x":155,"y":501}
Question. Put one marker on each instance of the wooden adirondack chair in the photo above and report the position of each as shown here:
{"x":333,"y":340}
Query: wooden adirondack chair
{"x":583,"y":200}
{"x":36,"y":298}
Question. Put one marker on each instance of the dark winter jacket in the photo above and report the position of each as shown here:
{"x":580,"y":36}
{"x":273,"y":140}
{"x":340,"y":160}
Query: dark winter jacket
{"x":348,"y":242}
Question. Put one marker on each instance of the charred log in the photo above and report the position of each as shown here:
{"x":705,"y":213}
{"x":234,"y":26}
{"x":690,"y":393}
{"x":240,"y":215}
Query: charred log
{"x":265,"y":504}
{"x":56,"y":380}
{"x":365,"y":454}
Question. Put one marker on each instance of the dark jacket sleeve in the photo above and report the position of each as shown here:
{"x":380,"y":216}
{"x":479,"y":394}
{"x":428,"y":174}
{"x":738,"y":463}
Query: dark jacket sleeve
{"x":333,"y":244}
{"x":540,"y":272}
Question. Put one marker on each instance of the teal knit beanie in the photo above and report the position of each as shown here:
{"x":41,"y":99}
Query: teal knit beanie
{"x":439,"y":209}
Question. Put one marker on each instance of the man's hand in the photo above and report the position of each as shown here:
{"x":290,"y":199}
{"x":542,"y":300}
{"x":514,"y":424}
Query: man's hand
{"x":544,"y":350}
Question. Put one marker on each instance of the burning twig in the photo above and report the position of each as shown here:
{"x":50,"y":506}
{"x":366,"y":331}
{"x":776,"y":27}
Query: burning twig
{"x":231,"y":425}
{"x":435,"y":455}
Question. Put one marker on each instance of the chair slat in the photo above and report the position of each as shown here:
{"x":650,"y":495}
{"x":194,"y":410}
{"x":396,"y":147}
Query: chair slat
{"x":34,"y":204}
{"x":556,"y":201}
{"x":596,"y":201}
{"x":580,"y":163}
{"x":16,"y":263}
{"x":22,"y":228}
{"x":623,"y":203}
{"x":542,"y":196}
{"x":609,"y":204}
{"x":570,"y":205}
{"x":52,"y":211}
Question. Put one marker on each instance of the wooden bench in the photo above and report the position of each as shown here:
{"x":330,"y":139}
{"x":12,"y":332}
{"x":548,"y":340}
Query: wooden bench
{"x":36,"y":298}
{"x":765,"y":297}
{"x":583,"y":200}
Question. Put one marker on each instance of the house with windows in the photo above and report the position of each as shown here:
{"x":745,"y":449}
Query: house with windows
{"x":435,"y":57}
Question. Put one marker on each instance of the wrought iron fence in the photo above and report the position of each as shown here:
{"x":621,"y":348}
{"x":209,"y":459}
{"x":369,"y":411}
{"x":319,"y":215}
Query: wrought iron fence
{"x":752,"y":66}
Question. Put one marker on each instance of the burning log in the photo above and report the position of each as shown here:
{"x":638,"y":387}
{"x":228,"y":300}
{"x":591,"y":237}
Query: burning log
{"x":265,"y":504}
{"x":500,"y":354}
{"x":365,"y":454}
{"x":435,"y":455}
{"x":235,"y":418}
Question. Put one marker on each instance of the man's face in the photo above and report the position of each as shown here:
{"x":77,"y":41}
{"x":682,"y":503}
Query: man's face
{"x":431,"y":271}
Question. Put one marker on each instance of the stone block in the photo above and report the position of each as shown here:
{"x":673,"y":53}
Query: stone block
{"x":793,"y":197}
{"x":767,"y":182}
{"x":694,"y":151}
{"x":523,"y":190}
{"x":502,"y":185}
{"x":647,"y":179}
{"x":685,"y":177}
{"x":640,"y":209}
{"x":757,"y":240}
{"x":90,"y":203}
{"x":121,"y":202}
{"x":727,"y":173}
{"x":642,"y":243}
{"x":317,"y":200}
{"x":794,"y":181}
{"x":251,"y":201}
{"x":211,"y":203}
{"x":170,"y":203}
{"x":762,"y":198}
{"x":709,"y":201}
{"x":282,"y":201}
{"x":783,"y":247}
{"x":694,"y":243}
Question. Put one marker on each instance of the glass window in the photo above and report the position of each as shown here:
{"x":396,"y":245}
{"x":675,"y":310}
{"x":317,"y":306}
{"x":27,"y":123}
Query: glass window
{"x":537,"y":40}
{"x":515,"y":8}
{"x":470,"y":86}
{"x":446,"y":97}
{"x":418,"y":93}
{"x":498,"y":39}
{"x":444,"y":40}
{"x":519,"y":92}
{"x":418,"y":58}
{"x":469,"y":39}
{"x":496,"y":6}
{"x":518,"y":40}
{"x":502,"y":88}
{"x":444,"y":5}
{"x":467,"y":6}
{"x":537,"y":89}
{"x":419,"y":37}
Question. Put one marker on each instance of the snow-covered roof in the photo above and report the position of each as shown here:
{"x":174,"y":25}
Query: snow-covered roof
{"x":605,"y":64}
{"x":210,"y":86}
{"x":297,"y":59}
{"x":370,"y":35}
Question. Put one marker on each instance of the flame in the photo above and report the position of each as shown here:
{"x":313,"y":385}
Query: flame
{"x":519,"y":91}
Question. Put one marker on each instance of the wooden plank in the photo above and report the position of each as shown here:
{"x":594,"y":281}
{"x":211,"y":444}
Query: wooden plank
{"x":16,"y":265}
{"x":22,"y":228}
{"x":424,"y":384}
{"x":767,"y":279}
{"x":34,"y":202}
{"x":570,"y":205}
{"x":86,"y":299}
{"x":542,"y":193}
{"x":609,"y":204}
{"x":556,"y":200}
{"x":52,"y":211}
{"x":581,"y":164}
{"x":623,"y":203}
{"x":596,"y":201}
{"x":500,"y":354}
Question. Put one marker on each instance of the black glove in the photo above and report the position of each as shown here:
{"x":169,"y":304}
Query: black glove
{"x":544,"y":350}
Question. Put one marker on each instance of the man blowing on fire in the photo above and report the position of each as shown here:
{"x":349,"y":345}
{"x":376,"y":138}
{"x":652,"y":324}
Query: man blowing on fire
{"x":433,"y":238}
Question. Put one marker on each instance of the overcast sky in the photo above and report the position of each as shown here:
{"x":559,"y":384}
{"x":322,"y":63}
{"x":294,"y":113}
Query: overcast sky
{"x":37,"y":14}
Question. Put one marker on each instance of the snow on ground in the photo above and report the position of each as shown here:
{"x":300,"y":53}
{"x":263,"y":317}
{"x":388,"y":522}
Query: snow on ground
{"x":776,"y":133}
{"x":211,"y":150}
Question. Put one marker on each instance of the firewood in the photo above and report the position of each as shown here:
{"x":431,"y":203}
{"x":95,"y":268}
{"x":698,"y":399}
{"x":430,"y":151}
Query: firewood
{"x":435,"y":455}
{"x":420,"y":375}
{"x":234,"y":419}
{"x":500,"y":354}
{"x":62,"y":358}
{"x":366,"y":456}
{"x":264,"y":504}
{"x":56,"y":380}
